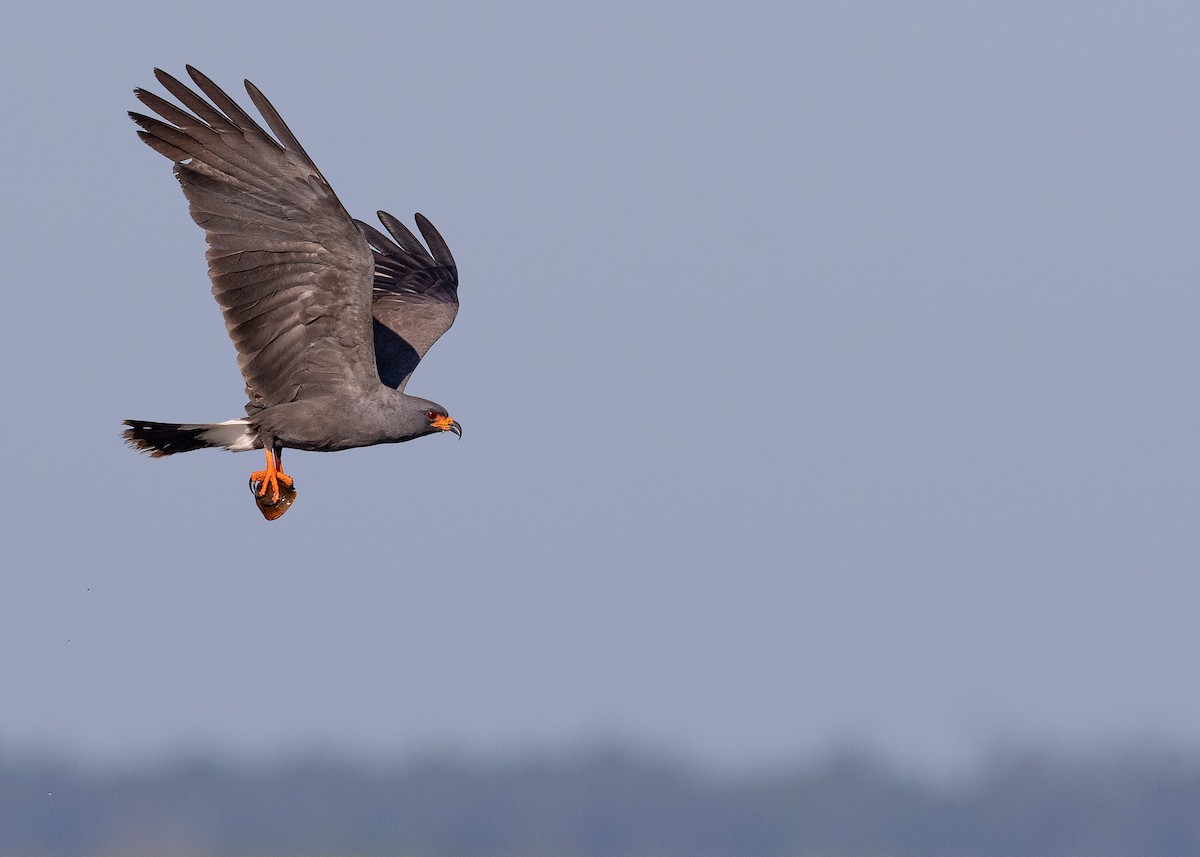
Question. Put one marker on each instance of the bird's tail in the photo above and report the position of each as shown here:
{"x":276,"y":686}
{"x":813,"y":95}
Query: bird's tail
{"x":159,"y":439}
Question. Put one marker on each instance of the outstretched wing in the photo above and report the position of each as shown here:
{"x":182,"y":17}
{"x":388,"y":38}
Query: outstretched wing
{"x":289,"y":268}
{"x":415,"y":297}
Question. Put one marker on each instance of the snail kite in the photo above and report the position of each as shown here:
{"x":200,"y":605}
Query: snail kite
{"x":329,"y":315}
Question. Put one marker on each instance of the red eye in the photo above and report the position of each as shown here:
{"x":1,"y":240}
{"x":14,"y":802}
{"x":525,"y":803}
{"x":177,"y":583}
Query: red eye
{"x":432,"y":415}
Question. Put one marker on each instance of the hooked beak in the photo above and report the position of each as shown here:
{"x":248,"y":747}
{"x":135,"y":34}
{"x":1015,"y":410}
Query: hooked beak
{"x":447,"y":424}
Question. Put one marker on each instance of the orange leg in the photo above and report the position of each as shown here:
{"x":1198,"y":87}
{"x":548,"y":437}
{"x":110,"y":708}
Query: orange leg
{"x":271,"y":478}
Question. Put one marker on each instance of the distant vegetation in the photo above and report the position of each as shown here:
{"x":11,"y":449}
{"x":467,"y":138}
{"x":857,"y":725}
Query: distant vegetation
{"x":607,"y":804}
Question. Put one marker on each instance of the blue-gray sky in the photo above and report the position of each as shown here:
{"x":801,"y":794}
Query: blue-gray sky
{"x":826,"y":372}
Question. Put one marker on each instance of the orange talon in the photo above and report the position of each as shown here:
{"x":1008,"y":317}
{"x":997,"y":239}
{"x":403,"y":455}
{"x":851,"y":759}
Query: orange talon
{"x":262,"y":481}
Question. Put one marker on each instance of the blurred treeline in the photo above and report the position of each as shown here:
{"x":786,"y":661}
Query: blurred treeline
{"x":608,"y":803}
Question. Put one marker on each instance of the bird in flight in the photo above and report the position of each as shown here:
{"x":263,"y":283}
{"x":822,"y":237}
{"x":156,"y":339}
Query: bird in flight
{"x":329,"y":315}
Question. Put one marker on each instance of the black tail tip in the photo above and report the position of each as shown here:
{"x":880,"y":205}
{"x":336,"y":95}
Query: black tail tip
{"x":159,"y":439}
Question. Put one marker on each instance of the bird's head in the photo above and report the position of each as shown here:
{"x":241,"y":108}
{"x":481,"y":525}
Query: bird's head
{"x":433,"y":418}
{"x":440,"y":421}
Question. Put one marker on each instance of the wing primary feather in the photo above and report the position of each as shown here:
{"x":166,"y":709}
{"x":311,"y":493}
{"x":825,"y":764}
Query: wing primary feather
{"x":377,"y":239}
{"x":236,"y":114}
{"x":437,"y":244}
{"x":404,"y":236}
{"x":161,"y":130}
{"x":194,"y":102}
{"x":166,"y":109}
{"x":282,"y":131}
{"x":205,"y":137}
{"x":162,"y":147}
{"x":230,"y":164}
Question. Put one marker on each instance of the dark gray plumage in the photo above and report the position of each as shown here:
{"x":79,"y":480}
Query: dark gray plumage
{"x":329,"y":315}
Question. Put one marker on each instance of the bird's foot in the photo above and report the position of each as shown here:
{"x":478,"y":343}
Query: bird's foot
{"x":266,"y":483}
{"x":273,"y":490}
{"x":273,"y":494}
